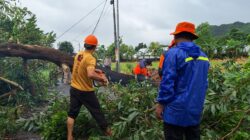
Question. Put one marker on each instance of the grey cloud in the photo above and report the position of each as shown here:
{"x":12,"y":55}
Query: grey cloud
{"x":140,"y":20}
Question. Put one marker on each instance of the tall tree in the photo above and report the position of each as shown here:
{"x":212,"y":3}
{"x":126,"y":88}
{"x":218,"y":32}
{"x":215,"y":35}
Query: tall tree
{"x":66,"y":47}
{"x":18,"y":24}
{"x":111,"y":51}
{"x":140,"y":46}
{"x":205,"y":39}
{"x":236,"y":43}
{"x":126,"y":52}
{"x":101,"y":52}
{"x":155,"y":48}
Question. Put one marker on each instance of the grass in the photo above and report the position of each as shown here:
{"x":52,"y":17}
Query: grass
{"x":127,"y":67}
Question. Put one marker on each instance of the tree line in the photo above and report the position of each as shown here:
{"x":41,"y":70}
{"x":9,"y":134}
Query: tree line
{"x":233,"y":44}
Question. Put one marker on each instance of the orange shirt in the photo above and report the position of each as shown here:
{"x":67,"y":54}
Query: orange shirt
{"x":83,"y":60}
{"x":138,"y":70}
{"x":162,"y":58}
{"x":161,"y":61}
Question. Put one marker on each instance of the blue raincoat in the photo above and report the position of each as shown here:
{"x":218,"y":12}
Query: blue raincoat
{"x":184,"y":83}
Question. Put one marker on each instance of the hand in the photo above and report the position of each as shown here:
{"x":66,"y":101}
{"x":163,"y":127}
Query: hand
{"x":104,"y":80}
{"x":98,"y":71}
{"x":158,"y":111}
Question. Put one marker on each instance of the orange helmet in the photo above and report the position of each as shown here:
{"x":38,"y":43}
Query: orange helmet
{"x":185,"y":27}
{"x":91,"y":40}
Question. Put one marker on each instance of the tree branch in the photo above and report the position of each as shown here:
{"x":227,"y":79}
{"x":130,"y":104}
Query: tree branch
{"x":12,"y":83}
{"x":234,"y":129}
{"x":35,"y":52}
{"x":12,"y":92}
{"x":237,"y":126}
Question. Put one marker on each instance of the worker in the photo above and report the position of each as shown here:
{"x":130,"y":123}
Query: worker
{"x":107,"y":63}
{"x":82,"y":91}
{"x":141,"y":71}
{"x":163,"y":56}
{"x":183,"y":86}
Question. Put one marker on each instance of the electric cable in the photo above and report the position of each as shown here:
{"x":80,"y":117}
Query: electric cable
{"x":80,"y":20}
{"x":99,"y":17}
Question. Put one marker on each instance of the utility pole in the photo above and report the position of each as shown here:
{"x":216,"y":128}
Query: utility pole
{"x":118,"y":33}
{"x":117,"y":56}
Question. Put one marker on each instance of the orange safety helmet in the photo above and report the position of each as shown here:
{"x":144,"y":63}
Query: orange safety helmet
{"x":91,"y":40}
{"x":185,"y":27}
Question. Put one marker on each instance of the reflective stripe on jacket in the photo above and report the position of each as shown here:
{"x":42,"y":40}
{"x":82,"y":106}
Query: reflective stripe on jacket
{"x":184,"y":84}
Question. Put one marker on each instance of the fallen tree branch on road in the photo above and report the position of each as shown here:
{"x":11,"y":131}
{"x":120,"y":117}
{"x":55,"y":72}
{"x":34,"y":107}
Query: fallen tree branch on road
{"x":54,"y":56}
{"x":35,"y":52}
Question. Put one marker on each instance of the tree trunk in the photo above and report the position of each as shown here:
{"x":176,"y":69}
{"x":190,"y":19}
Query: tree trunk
{"x":35,"y":52}
{"x":54,"y":56}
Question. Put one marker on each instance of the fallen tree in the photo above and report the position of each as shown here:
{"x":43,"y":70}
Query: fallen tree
{"x":52,"y":55}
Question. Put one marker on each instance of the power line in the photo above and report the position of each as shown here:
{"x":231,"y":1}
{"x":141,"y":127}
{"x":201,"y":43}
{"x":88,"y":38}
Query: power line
{"x":106,"y":12}
{"x":88,"y":28}
{"x":99,"y":17}
{"x":105,"y":15}
{"x":81,"y":19}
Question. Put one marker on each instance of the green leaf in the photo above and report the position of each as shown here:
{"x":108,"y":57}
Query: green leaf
{"x":132,"y":116}
{"x":213,"y":109}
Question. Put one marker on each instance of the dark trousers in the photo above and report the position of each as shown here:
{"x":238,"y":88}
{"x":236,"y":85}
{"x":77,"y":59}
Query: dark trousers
{"x":173,"y":132}
{"x":90,"y":101}
{"x":140,"y":78}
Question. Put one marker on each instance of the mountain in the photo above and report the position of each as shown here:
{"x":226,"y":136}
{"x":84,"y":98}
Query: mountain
{"x":222,"y":30}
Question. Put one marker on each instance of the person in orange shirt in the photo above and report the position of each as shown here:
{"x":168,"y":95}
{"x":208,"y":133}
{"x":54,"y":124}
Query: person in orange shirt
{"x":82,"y":91}
{"x":141,"y":71}
{"x":162,"y":57}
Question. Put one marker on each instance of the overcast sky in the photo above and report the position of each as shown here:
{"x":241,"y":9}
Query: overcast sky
{"x":140,"y":20}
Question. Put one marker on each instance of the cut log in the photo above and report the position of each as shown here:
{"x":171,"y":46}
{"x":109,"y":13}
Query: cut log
{"x":54,"y":56}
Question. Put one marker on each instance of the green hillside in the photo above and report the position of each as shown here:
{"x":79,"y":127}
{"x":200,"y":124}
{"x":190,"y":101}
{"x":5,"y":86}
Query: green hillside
{"x":223,"y":29}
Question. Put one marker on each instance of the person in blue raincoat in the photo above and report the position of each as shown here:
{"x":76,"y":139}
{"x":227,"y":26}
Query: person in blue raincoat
{"x":183,"y":87}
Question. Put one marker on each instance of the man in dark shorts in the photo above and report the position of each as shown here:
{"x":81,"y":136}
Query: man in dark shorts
{"x":82,"y":91}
